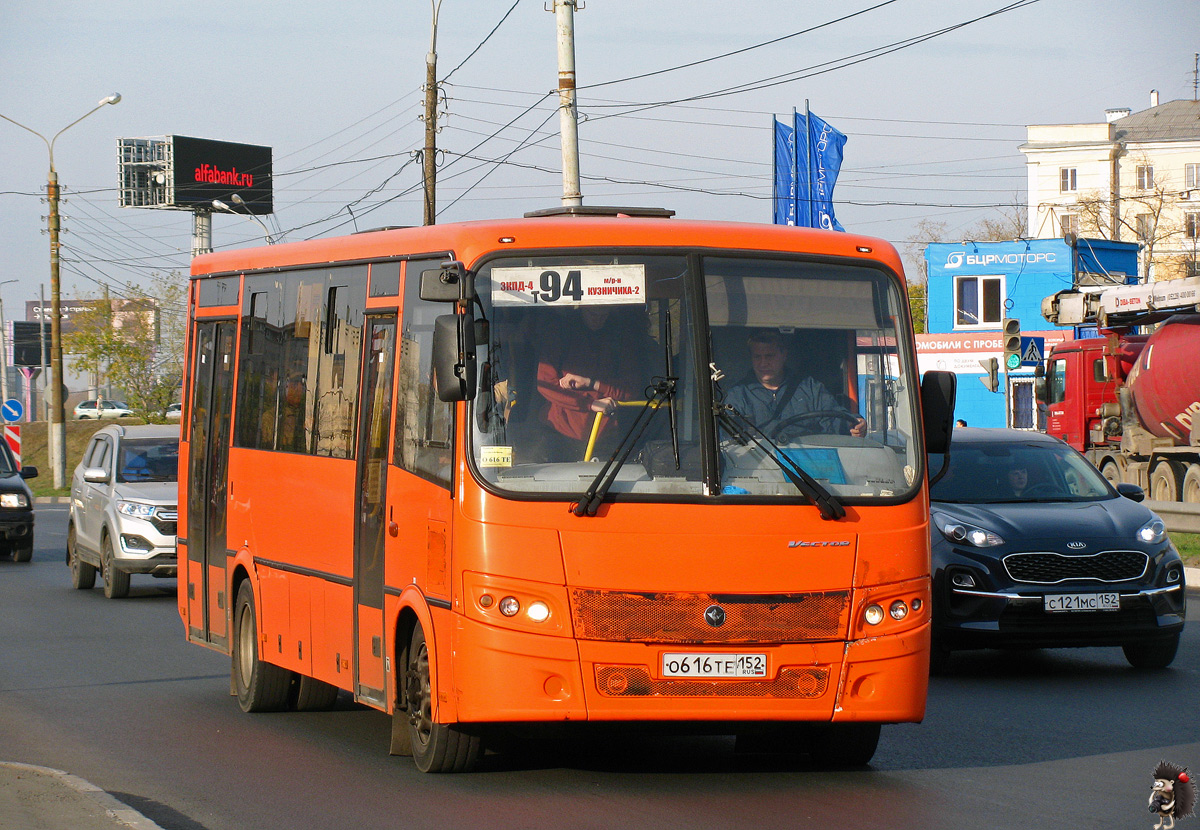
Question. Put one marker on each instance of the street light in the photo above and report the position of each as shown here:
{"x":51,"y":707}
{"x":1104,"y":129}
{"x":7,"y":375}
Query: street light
{"x":240,"y":202}
{"x":3,"y":348}
{"x":58,"y":431}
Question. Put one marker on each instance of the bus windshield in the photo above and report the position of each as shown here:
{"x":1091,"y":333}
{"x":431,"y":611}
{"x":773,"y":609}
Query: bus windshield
{"x":720,"y":373}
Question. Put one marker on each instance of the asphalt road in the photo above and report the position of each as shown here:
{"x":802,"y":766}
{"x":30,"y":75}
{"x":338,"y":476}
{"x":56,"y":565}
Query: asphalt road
{"x":109,"y":691}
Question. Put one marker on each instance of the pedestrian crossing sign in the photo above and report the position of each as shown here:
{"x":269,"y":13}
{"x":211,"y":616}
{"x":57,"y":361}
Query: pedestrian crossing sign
{"x":1033,"y":350}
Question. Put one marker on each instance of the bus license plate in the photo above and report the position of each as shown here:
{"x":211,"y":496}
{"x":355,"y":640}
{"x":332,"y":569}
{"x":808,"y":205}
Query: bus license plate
{"x":1082,"y":602}
{"x":714,"y":665}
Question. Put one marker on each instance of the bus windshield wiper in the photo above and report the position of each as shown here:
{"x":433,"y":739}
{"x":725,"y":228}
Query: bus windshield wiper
{"x":589,"y":502}
{"x":746,"y":431}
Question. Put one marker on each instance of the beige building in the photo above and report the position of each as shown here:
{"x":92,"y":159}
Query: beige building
{"x":1133,"y":178}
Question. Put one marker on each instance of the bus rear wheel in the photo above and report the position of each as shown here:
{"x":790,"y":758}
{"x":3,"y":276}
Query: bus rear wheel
{"x":436,"y":747}
{"x":307,"y":694}
{"x":261,"y":687}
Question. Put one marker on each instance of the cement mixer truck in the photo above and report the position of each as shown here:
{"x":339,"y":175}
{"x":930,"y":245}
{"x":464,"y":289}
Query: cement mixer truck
{"x":1131,"y":402}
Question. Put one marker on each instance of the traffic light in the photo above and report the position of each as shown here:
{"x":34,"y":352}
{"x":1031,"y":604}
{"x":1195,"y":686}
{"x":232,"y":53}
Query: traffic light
{"x":1012,"y":344}
{"x":992,"y":367}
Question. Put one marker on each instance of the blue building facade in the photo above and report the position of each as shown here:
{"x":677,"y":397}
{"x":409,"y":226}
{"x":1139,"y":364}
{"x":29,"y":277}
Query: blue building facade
{"x":974,"y":286}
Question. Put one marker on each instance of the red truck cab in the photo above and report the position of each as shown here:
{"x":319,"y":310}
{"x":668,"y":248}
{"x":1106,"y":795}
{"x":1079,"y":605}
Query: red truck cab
{"x":1082,"y":377}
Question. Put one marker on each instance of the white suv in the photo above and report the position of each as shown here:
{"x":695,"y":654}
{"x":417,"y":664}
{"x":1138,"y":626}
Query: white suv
{"x":124,"y":507}
{"x":102,"y":409}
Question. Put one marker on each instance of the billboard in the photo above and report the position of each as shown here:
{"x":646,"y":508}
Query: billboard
{"x":124,"y":313}
{"x":26,"y":346}
{"x":207,"y":170}
{"x":176,"y":172}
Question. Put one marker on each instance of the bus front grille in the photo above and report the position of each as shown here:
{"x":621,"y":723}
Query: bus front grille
{"x":627,"y":616}
{"x":635,"y":681}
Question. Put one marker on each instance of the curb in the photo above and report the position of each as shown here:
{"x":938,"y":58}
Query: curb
{"x":52,"y":500}
{"x":118,"y":811}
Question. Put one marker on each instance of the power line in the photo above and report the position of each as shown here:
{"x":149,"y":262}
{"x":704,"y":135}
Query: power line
{"x":482,"y":42}
{"x":738,"y":51}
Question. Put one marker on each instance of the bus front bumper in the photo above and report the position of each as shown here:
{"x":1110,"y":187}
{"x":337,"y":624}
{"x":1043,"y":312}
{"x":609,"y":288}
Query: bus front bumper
{"x":503,"y":675}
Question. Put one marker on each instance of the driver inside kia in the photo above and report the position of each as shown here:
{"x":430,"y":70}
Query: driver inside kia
{"x":775,"y":395}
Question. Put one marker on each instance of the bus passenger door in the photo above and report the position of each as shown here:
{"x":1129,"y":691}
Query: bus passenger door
{"x":374,"y":429}
{"x":208,"y":482}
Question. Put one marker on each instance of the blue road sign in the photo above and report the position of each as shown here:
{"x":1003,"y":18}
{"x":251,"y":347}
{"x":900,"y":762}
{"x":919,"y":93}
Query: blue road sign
{"x":12,"y":410}
{"x":1033,"y":350}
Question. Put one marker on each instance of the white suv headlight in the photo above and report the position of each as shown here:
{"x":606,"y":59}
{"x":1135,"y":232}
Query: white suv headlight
{"x":136,"y":509}
{"x":13,"y":500}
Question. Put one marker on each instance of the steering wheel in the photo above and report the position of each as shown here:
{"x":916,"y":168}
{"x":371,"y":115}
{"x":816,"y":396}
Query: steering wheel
{"x":778,"y":431}
{"x":1039,"y":489}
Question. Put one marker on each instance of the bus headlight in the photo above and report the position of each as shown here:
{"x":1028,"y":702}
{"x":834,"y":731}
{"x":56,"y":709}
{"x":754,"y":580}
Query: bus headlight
{"x":509,"y":606}
{"x":538,"y":611}
{"x":874,"y":614}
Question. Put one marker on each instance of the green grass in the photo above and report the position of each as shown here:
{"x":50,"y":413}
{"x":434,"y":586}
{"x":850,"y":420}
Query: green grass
{"x":34,"y":437}
{"x":1188,"y":545}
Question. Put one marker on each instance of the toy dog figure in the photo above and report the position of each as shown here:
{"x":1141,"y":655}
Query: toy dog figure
{"x":1172,"y":796}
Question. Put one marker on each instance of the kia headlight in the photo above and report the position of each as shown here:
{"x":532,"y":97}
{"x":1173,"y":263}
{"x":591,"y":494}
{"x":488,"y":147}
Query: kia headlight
{"x":13,"y":500}
{"x":964,"y":534}
{"x":1152,"y":532}
{"x":136,"y":509}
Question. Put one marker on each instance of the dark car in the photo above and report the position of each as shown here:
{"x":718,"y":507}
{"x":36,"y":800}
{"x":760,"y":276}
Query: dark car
{"x":16,"y":507}
{"x":1033,"y":548}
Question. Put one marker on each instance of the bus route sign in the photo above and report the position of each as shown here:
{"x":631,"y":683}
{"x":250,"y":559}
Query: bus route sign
{"x":570,"y":286}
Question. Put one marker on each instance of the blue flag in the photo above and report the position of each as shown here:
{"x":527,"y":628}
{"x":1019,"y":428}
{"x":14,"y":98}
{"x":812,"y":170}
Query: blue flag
{"x":786,"y":206}
{"x":805,"y":174}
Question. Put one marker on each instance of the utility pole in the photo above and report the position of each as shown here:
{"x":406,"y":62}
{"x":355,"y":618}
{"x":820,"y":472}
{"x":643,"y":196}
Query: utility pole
{"x":58,"y":429}
{"x":429,"y":156}
{"x":568,"y":115}
{"x":57,"y":449}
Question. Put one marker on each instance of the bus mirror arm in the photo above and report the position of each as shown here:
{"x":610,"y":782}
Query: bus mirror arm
{"x":454,"y":366}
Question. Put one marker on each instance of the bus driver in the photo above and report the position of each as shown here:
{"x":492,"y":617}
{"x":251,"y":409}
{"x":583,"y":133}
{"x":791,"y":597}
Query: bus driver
{"x":774,"y":396}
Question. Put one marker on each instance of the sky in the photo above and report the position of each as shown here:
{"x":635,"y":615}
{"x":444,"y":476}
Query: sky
{"x":933,"y":122}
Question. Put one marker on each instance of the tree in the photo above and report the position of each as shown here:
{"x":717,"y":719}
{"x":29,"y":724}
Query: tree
{"x":1008,"y":223}
{"x":1148,"y":214}
{"x":135,"y":342}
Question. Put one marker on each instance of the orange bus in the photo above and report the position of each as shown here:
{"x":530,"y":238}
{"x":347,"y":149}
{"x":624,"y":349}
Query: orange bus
{"x":491,"y":475}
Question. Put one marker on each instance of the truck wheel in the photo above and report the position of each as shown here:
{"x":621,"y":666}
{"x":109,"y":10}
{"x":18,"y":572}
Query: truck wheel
{"x":436,"y":747}
{"x":1111,"y":471}
{"x":1164,"y":481}
{"x":1191,"y":484}
{"x":260,"y":686}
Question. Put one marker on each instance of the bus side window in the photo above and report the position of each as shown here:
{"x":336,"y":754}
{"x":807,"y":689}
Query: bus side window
{"x":424,"y":424}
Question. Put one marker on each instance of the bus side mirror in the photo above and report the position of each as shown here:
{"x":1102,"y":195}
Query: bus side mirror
{"x":447,"y":284}
{"x":937,"y":410}
{"x":454,"y":365}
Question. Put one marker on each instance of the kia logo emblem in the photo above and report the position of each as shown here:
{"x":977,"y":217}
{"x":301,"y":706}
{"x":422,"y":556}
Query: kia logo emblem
{"x":1076,"y":545}
{"x":714,"y":615}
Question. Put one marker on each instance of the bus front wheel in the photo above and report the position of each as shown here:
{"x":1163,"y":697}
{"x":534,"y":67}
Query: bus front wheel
{"x":845,"y":744}
{"x":436,"y":747}
{"x":261,"y":687}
